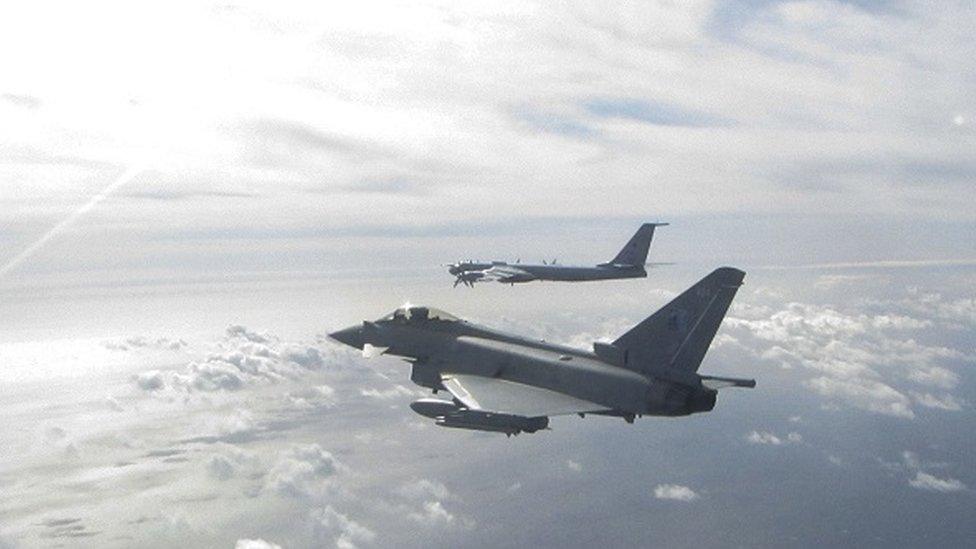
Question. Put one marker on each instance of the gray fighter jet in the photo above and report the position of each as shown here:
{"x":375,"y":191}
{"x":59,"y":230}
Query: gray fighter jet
{"x":629,"y":263}
{"x":509,"y":383}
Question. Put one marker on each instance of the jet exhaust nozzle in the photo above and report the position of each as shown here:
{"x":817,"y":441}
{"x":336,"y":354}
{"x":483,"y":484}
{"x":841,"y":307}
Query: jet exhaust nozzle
{"x":702,"y":400}
{"x":683,"y":401}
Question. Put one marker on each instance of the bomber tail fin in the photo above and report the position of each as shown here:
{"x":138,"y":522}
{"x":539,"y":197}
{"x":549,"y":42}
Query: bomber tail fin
{"x":634,"y":253}
{"x":676,"y":337}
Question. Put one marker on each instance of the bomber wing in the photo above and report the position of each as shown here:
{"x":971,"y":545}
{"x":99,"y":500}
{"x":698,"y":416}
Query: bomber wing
{"x":496,"y":395}
{"x":507,"y":273}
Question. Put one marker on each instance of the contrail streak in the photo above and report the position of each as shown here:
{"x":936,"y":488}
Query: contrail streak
{"x":65,"y":223}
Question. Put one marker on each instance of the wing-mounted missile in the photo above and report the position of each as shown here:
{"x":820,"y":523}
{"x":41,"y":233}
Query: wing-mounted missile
{"x":498,"y":423}
{"x":434,"y":407}
{"x":449,"y":414}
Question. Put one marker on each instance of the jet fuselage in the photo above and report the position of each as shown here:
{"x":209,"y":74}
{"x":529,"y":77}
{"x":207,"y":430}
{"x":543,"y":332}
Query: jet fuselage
{"x":437,"y":346}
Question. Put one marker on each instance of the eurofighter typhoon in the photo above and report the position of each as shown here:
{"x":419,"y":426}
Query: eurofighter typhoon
{"x":508,"y":383}
{"x":628,"y":263}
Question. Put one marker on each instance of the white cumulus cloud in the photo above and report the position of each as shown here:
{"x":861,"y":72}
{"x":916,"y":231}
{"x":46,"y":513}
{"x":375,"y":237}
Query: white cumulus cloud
{"x":859,"y":359}
{"x":338,"y":529}
{"x":925,"y":481}
{"x":675,"y":492}
{"x":944,"y":402}
{"x":433,"y":514}
{"x":387,"y":394}
{"x":255,"y":544}
{"x":425,"y":488}
{"x":305,"y":472}
{"x":770,"y":439}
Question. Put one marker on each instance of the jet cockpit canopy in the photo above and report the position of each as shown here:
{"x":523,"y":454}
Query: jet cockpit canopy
{"x":415,"y":313}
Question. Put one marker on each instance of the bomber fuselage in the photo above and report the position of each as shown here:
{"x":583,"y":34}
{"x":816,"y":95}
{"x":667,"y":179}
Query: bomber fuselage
{"x":513,"y":273}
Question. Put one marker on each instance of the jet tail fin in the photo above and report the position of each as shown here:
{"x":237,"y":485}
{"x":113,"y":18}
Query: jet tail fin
{"x":676,"y":337}
{"x":635,"y":251}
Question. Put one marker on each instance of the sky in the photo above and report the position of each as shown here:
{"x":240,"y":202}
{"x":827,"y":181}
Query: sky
{"x":193,"y":194}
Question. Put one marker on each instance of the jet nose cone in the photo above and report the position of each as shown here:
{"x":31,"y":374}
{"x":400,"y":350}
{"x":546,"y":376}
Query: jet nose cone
{"x":351,"y":336}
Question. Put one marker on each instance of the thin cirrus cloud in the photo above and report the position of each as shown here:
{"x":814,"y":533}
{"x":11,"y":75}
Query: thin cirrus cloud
{"x":26,"y":101}
{"x":650,"y":112}
{"x":586,"y":115}
{"x":68,"y":221}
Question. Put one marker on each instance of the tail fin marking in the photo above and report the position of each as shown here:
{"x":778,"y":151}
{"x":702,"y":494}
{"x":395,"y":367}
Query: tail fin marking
{"x":678,"y":335}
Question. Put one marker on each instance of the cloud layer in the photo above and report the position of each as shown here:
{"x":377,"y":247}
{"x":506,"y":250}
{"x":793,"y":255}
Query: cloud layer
{"x":812,"y":109}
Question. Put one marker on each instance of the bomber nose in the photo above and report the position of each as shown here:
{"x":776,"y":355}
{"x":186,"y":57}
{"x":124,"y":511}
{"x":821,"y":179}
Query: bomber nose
{"x":351,"y":336}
